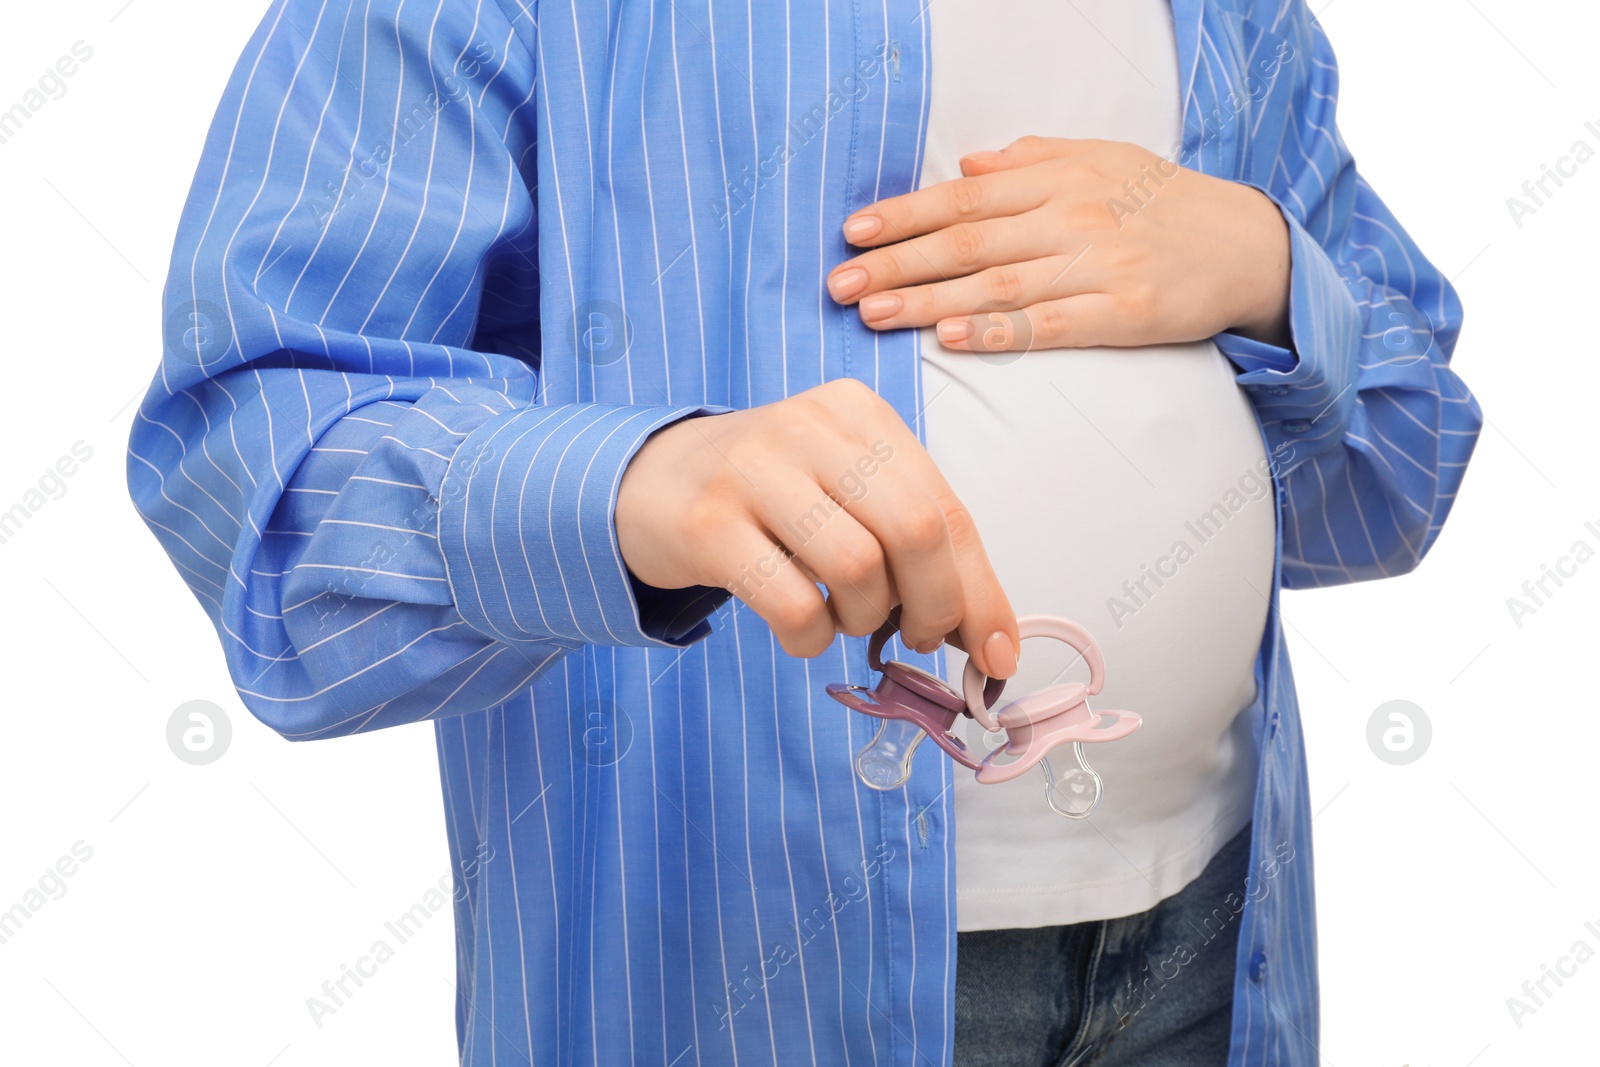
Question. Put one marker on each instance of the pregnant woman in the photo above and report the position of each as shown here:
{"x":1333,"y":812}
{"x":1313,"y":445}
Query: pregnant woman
{"x":1095,"y":476}
{"x":588,"y":380}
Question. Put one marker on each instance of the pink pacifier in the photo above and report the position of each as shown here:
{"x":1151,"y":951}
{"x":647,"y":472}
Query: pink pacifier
{"x":913,"y":704}
{"x":1036,"y":723}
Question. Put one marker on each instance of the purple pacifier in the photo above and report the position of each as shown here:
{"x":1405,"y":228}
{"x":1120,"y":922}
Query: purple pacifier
{"x":913,"y":704}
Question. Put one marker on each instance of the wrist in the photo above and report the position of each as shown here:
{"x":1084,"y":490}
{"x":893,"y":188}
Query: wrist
{"x":652,"y":495}
{"x":1266,"y":267}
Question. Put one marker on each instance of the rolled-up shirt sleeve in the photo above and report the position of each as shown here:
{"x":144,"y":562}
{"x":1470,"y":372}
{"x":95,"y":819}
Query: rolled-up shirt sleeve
{"x":345,"y":452}
{"x":1370,"y":429}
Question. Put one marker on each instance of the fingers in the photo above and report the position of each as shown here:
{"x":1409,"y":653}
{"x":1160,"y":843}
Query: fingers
{"x":943,"y":578}
{"x":761,"y":573}
{"x":910,"y":526}
{"x":988,"y":629}
{"x":1025,"y":151}
{"x":984,"y":191}
{"x":1083,"y":321}
{"x":831,"y":547}
{"x":960,"y":250}
{"x":1006,"y":287}
{"x":941,"y":205}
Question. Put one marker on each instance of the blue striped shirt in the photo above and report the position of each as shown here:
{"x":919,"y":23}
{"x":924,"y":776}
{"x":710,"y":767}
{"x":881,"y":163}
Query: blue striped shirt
{"x":446,"y":264}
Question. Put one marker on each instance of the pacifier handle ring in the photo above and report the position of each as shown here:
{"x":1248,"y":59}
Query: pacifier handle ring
{"x":880,"y":637}
{"x":1063,"y":630}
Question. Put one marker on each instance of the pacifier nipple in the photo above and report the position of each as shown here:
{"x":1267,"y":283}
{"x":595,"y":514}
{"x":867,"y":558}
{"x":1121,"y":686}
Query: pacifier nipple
{"x":879,"y":771}
{"x":1074,"y":794}
{"x":885,"y":762}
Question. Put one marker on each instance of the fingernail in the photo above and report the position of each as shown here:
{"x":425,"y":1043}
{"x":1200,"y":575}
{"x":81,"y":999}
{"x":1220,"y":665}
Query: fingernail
{"x":984,"y":156}
{"x":1000,"y":655}
{"x":954,"y":331}
{"x":862,"y":228}
{"x":847,"y":283}
{"x":880,"y":306}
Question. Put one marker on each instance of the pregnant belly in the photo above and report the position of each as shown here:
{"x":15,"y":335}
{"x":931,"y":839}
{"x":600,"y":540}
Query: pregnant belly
{"x":1127,"y":489}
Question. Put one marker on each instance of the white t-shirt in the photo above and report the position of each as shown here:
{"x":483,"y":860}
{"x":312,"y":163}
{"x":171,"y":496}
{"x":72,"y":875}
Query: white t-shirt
{"x":1090,"y":468}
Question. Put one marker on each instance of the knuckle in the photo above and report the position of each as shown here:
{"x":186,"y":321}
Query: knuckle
{"x":1140,"y":301}
{"x":862,"y":620}
{"x":1049,"y":322}
{"x":1123,"y":258}
{"x":918,"y":301}
{"x":931,"y":624}
{"x":966,"y":196}
{"x":852,"y":388}
{"x":842,"y":394}
{"x":1005,"y":285}
{"x":791,"y":612}
{"x":923,"y":528}
{"x":858,"y":562}
{"x":959,"y":521}
{"x":890,"y":268}
{"x":946,"y":619}
{"x":966,"y":245}
{"x":806,"y":647}
{"x":997,"y":328}
{"x":1085,"y":215}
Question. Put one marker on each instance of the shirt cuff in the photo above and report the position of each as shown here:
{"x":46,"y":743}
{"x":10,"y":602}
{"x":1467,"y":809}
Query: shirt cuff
{"x":1304,"y":397}
{"x":527,"y":528}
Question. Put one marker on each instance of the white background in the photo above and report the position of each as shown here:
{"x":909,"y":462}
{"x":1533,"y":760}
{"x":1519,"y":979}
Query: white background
{"x":219,"y":898}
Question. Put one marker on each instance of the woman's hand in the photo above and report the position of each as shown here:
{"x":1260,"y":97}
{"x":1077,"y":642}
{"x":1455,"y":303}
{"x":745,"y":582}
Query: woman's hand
{"x":1083,"y":243}
{"x":827,"y":486}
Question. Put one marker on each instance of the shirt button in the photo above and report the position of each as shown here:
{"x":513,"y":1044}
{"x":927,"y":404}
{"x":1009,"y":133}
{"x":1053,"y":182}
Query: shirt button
{"x":1272,"y":725}
{"x":1258,"y":967}
{"x":1277,"y":390}
{"x":1296,"y":426}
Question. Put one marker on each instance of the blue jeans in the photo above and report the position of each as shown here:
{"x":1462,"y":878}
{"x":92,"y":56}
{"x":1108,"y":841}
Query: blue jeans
{"x":1152,"y":990}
